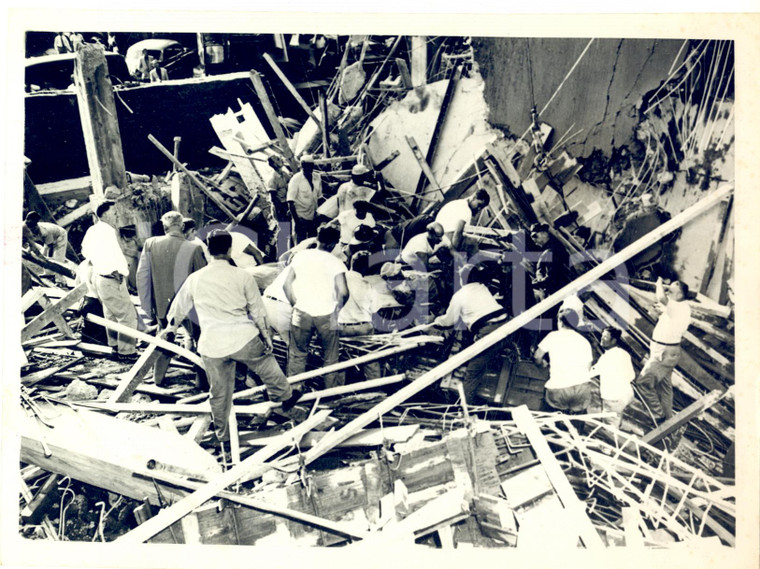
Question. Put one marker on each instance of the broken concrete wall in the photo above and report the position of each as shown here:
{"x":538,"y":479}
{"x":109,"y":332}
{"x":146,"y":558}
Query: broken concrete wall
{"x":599,"y":96}
{"x":462,"y":139}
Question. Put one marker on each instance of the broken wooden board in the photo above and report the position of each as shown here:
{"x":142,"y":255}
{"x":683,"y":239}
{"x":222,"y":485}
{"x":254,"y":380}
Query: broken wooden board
{"x":54,"y":314}
{"x":153,"y":340}
{"x":570,"y":501}
{"x":105,"y":452}
{"x":178,"y":510}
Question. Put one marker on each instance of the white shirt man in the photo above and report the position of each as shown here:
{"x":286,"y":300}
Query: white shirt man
{"x":570,"y":357}
{"x":422,"y":247}
{"x":654,"y":382}
{"x":616,"y":373}
{"x":349,"y":220}
{"x":476,"y":307}
{"x":457,"y":213}
{"x":316,"y":288}
{"x":110,"y":269}
{"x":233,"y":326}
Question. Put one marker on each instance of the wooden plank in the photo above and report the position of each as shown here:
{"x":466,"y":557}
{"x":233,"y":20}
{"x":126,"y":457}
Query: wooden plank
{"x":403,"y":70}
{"x":292,"y":90}
{"x":576,"y":508}
{"x":426,"y":170}
{"x":169,"y":515}
{"x":193,"y":178}
{"x":274,"y":121}
{"x":73,"y":216}
{"x":419,"y":60}
{"x":152,"y":340}
{"x":366,"y":437}
{"x":98,"y":116}
{"x":31,"y":296}
{"x":32,"y":379}
{"x":234,"y":438}
{"x":48,"y":526}
{"x":345,"y":364}
{"x":130,"y":380}
{"x":54,"y":313}
{"x":264,"y":506}
{"x":462,"y":357}
{"x":439,"y":124}
{"x":683,"y":417}
{"x":325,"y":125}
{"x":199,"y":427}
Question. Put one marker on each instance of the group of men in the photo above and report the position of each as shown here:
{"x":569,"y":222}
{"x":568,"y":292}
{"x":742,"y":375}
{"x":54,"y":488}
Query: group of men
{"x":327,"y":288}
{"x":569,"y":388}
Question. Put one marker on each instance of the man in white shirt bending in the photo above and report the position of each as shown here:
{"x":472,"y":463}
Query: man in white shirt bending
{"x":101,"y":247}
{"x":654,"y":381}
{"x":423,"y":249}
{"x":570,"y":357}
{"x":616,"y":373}
{"x":478,"y":310}
{"x":316,"y":288}
{"x":457,"y":213}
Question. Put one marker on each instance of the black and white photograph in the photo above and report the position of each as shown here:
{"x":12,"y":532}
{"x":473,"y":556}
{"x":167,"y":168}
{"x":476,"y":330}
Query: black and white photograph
{"x":335,"y":287}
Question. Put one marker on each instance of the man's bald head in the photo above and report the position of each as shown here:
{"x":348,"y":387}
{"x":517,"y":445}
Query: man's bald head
{"x":435,"y":232}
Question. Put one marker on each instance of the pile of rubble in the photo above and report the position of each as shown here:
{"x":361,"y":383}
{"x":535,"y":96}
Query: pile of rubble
{"x":107,"y":455}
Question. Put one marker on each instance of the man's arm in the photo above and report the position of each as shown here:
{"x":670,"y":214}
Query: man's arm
{"x":287,"y":286}
{"x":538,"y":357}
{"x":179,"y":308}
{"x":144,"y":282}
{"x":341,"y":287}
{"x":257,"y":312}
{"x":456,"y":238}
{"x":452,"y":315}
{"x":254,"y":252}
{"x":659,"y":291}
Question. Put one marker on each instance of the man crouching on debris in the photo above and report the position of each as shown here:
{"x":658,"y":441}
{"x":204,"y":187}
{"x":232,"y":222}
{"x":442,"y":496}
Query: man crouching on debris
{"x":570,"y":356}
{"x":654,"y":382}
{"x":233,"y":326}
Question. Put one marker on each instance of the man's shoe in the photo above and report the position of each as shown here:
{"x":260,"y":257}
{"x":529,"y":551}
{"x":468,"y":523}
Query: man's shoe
{"x":289,"y":403}
{"x":129,"y":358}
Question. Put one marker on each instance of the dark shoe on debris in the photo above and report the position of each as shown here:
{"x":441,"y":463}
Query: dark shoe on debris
{"x":127,"y":357}
{"x":288,"y":404}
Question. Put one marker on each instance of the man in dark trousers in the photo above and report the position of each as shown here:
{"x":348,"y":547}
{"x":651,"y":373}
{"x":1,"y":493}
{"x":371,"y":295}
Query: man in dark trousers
{"x":165,"y":263}
{"x":234,"y":329}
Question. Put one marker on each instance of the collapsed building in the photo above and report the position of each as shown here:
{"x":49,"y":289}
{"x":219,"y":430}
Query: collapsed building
{"x":641,"y":190}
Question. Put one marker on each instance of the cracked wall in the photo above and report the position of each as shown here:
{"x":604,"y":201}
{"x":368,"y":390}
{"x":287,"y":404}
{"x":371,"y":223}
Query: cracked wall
{"x":599,"y":96}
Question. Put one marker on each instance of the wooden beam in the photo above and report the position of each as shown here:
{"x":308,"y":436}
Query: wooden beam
{"x":153,"y":340}
{"x":54,"y":313}
{"x":169,"y":515}
{"x":100,"y":124}
{"x":292,"y":90}
{"x":570,"y":501}
{"x":72,"y":216}
{"x":130,"y":380}
{"x":263,"y":506}
{"x":193,"y":178}
{"x":439,"y":124}
{"x":199,"y":427}
{"x":683,"y":417}
{"x":462,"y":357}
{"x":427,"y":171}
{"x":325,"y":126}
{"x":319,"y":372}
{"x":419,"y":60}
{"x":274,"y":121}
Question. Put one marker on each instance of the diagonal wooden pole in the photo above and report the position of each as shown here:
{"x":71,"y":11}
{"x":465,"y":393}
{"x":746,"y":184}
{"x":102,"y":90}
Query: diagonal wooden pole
{"x":168,"y":516}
